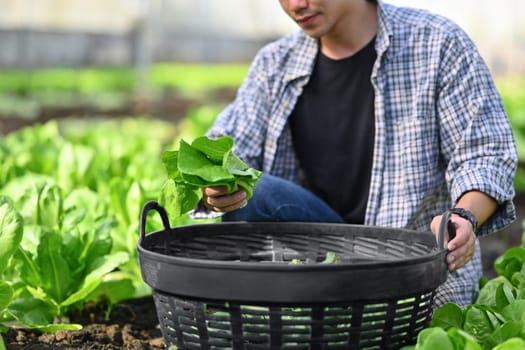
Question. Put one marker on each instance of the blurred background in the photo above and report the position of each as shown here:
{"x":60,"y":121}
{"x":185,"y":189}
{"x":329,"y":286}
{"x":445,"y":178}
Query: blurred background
{"x":179,"y":62}
{"x":74,"y":33}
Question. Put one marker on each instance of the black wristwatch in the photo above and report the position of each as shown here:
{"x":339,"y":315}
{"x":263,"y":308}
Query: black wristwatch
{"x":467,"y":215}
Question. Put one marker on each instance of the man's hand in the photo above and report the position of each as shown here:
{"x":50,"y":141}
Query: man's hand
{"x":219,"y":199}
{"x":461,"y":248}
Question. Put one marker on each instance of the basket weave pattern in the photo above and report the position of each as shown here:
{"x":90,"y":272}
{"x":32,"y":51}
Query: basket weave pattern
{"x":384,"y":324}
{"x":249,"y":247}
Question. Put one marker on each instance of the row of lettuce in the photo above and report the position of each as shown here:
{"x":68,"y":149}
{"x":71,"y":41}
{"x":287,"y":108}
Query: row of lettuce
{"x":70,"y":197}
{"x":27,"y":94}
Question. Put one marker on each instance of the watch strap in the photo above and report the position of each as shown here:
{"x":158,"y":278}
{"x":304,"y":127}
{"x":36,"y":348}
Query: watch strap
{"x":467,"y":215}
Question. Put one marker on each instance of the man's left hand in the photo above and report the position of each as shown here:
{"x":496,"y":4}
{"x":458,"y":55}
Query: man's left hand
{"x":462,"y":247}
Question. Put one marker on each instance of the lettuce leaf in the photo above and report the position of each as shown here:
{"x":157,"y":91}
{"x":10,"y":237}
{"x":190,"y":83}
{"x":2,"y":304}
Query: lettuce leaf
{"x":11,"y":230}
{"x":205,"y":162}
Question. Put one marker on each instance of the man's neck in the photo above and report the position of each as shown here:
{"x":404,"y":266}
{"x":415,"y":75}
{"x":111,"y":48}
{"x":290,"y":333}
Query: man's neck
{"x":351,"y":34}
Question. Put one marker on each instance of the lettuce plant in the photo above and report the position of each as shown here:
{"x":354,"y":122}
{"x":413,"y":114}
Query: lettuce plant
{"x":204,"y":162}
{"x":11,"y":231}
{"x":62,"y":258}
{"x":496,"y":320}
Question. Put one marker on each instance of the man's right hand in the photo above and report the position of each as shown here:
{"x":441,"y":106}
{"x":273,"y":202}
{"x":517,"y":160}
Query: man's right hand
{"x":219,"y":199}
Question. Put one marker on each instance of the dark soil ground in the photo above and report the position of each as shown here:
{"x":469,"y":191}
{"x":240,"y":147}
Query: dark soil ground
{"x":132,"y":325}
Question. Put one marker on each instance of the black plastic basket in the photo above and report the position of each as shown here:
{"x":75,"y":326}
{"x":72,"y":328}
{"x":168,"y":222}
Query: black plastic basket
{"x":264,"y":285}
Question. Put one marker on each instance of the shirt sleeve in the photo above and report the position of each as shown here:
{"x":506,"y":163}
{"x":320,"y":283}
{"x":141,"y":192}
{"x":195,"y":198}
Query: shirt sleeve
{"x":476,"y":137}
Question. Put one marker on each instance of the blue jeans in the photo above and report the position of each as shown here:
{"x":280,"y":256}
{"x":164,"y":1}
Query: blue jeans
{"x":276,"y":199}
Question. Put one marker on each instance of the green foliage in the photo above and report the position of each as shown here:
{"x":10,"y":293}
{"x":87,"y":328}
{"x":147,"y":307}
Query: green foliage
{"x":24,"y":82}
{"x":71,"y":192}
{"x":197,"y":77}
{"x":495,"y":321}
{"x":11,"y":231}
{"x":63,"y":256}
{"x":185,"y":77}
{"x":434,"y":338}
{"x":198,"y":121}
{"x":23,"y":93}
{"x":512,"y":91}
{"x":71,"y":195}
{"x":205,"y":162}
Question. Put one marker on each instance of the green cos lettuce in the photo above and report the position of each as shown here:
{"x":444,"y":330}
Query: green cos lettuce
{"x":205,"y":162}
{"x":496,"y":320}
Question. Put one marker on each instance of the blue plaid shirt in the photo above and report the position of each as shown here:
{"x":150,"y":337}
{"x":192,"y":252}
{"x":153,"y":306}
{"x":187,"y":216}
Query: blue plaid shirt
{"x":441,"y":129}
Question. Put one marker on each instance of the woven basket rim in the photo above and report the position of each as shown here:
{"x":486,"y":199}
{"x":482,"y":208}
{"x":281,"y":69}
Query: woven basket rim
{"x":433,"y":253}
{"x":201,"y":274}
{"x":284,"y":266}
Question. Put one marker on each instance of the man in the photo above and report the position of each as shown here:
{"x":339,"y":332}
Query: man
{"x":377,"y":115}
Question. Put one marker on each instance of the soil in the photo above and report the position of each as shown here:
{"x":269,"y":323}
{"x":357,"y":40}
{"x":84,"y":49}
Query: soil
{"x":132,"y":325}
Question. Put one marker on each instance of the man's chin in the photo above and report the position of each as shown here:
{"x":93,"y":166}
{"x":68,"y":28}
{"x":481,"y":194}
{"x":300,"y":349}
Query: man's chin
{"x":315,"y":34}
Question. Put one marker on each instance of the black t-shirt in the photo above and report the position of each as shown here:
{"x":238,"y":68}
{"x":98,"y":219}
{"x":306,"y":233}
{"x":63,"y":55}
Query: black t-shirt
{"x":333,"y":131}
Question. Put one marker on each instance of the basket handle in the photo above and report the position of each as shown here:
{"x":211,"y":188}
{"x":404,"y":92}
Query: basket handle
{"x":152,"y":205}
{"x":446,"y":225}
